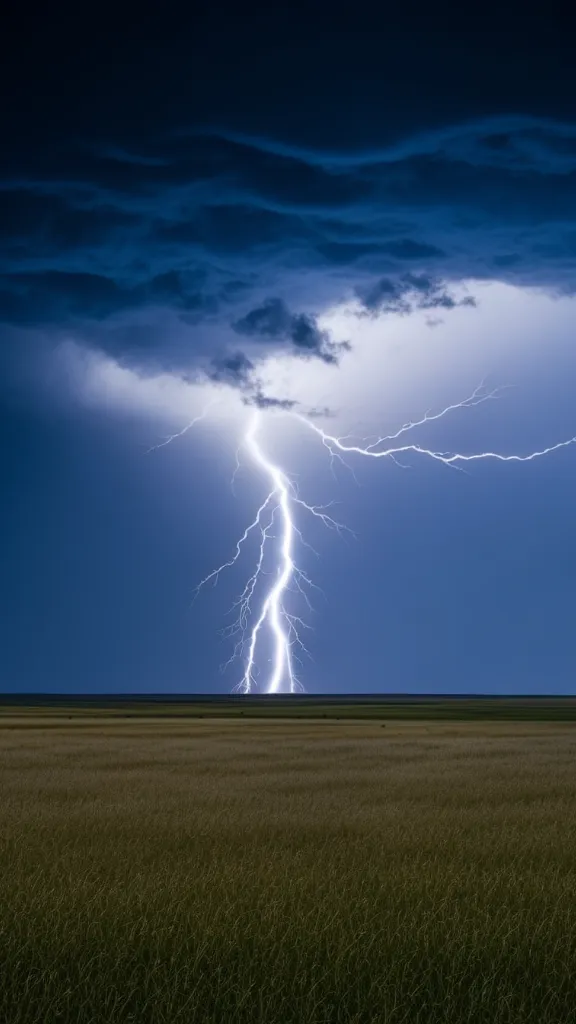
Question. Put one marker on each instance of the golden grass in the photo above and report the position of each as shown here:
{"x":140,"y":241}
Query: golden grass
{"x":286,"y":872}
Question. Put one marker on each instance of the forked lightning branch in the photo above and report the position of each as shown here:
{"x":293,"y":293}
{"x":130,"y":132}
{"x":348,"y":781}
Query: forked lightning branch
{"x":267,"y":635}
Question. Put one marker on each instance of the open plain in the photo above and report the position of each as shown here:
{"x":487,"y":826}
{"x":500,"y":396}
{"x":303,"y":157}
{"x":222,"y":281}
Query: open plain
{"x":166,"y":864}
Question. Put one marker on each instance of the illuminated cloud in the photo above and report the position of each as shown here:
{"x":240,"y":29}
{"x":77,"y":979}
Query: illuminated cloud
{"x":394,"y":369}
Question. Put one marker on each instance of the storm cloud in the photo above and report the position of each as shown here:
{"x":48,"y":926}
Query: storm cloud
{"x":202,"y":193}
{"x":250,"y":234}
{"x":273,"y":321}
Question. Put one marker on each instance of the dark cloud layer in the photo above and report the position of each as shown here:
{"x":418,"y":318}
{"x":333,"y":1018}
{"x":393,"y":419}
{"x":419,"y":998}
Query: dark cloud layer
{"x":219,"y":229}
{"x":274,"y":321}
{"x":237,"y":370}
{"x":234,"y":368}
{"x":193,"y":179}
{"x":262,"y":401}
{"x":408,"y":292}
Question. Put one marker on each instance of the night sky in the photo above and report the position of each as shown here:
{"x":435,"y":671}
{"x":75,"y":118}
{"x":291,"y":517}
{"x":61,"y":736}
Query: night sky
{"x":354,"y":217}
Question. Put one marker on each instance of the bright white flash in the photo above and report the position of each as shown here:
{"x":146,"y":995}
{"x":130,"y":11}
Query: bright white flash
{"x":267,"y":632}
{"x":276,"y":513}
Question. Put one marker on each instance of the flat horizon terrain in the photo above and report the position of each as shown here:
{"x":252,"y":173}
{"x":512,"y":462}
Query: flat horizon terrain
{"x":158,"y":866}
{"x":341,"y":706}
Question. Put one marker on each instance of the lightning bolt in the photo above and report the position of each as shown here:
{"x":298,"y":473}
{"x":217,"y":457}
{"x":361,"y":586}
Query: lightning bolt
{"x":180,"y":433}
{"x":282,"y":625}
{"x":378,"y":449}
{"x":275,"y":523}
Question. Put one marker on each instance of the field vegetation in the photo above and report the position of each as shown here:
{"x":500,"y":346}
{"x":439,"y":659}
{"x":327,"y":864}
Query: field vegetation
{"x":163,"y":869}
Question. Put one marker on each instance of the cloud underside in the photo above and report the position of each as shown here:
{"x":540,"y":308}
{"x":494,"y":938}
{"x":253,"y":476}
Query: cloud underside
{"x":215,"y":246}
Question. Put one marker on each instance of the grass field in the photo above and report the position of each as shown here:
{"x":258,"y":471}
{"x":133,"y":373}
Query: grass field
{"x":285,"y":871}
